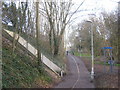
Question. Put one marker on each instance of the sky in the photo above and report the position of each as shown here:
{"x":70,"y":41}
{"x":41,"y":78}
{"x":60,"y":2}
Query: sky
{"x":94,"y":7}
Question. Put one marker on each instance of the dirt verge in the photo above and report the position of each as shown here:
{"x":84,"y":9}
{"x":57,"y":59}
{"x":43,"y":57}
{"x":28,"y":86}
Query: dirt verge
{"x":103,"y":79}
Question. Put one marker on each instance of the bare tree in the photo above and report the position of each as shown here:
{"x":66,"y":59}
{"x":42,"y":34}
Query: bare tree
{"x":38,"y":33}
{"x":111,"y":28}
{"x":17,"y":16}
{"x":58,"y":15}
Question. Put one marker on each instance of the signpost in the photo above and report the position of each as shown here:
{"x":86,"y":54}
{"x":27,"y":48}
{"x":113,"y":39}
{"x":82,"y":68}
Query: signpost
{"x":107,"y":48}
{"x":110,"y":61}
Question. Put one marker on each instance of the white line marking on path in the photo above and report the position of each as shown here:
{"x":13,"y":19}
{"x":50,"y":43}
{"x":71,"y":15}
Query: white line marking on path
{"x":77,"y":71}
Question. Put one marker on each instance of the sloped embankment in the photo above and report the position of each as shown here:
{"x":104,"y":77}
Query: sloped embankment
{"x":33,"y":51}
{"x":20,"y":70}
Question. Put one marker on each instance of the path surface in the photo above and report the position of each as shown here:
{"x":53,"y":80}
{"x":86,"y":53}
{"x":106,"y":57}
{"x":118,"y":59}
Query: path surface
{"x":78,"y":76}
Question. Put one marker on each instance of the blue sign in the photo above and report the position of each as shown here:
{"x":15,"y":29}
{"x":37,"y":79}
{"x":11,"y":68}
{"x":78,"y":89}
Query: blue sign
{"x":107,"y":48}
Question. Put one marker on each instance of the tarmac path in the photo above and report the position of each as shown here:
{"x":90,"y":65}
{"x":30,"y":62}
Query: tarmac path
{"x":78,"y":75}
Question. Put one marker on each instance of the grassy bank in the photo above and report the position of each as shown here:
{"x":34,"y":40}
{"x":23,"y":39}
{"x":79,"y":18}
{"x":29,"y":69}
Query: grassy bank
{"x":95,"y":62}
{"x":20,"y":70}
{"x":58,"y":60}
{"x":82,"y":54}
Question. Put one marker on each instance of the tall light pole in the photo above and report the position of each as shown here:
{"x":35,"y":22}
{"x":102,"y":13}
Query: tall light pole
{"x":80,"y":46}
{"x":92,"y":51}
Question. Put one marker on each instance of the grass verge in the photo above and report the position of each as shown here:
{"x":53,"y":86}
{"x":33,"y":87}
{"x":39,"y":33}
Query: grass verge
{"x":82,"y":54}
{"x":20,"y":70}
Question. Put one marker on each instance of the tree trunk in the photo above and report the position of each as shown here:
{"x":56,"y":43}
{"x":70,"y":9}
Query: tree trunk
{"x":57,"y":41}
{"x":38,"y":34}
{"x":50,"y":41}
{"x":56,"y":50}
{"x":14,"y":41}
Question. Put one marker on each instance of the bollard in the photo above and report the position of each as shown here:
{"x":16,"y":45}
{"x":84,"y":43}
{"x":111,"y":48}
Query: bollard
{"x":61,"y":73}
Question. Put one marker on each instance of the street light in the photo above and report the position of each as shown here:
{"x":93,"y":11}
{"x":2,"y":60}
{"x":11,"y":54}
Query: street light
{"x":92,"y":51}
{"x":80,"y":47}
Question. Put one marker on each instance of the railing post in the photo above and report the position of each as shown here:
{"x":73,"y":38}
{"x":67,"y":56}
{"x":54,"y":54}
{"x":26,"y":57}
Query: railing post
{"x":61,"y":73}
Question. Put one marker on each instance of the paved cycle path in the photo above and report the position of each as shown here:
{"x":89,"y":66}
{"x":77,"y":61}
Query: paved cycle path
{"x":78,"y":75}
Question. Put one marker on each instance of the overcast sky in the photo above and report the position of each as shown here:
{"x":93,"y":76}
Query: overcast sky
{"x":93,"y":7}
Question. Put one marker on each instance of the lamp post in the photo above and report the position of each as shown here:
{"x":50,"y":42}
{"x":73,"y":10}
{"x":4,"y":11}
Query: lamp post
{"x":92,"y":51}
{"x":80,"y":47}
